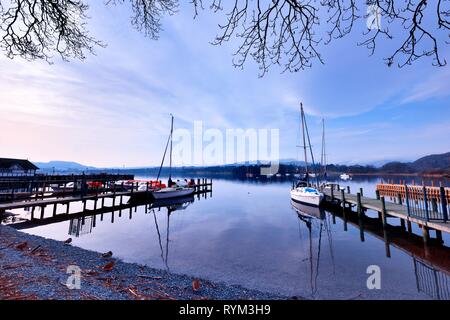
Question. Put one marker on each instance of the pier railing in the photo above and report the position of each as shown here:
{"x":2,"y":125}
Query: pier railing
{"x":432,"y":282}
{"x":425,"y":202}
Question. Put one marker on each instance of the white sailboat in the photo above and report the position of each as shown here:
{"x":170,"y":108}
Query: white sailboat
{"x":302,"y":193}
{"x":173,"y":190}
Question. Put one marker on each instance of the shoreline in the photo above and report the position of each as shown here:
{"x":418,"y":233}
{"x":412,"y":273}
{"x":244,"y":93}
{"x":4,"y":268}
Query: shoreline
{"x":35,"y":268}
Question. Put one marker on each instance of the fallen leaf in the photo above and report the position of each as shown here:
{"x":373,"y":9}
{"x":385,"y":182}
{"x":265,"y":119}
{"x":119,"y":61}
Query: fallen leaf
{"x":196,"y":285}
{"x":109,"y":266}
{"x":22,"y":246}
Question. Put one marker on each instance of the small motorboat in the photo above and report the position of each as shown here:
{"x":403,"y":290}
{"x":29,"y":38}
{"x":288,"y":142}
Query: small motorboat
{"x":345,"y":177}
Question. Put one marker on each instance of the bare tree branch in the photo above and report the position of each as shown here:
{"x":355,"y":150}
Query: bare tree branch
{"x":33,"y":29}
{"x":288,"y":33}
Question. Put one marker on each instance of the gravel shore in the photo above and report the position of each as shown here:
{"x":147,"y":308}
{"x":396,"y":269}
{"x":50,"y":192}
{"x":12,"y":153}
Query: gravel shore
{"x":32,"y":267}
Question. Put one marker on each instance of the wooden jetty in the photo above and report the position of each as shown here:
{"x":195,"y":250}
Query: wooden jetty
{"x":425,"y":206}
{"x":98,"y":196}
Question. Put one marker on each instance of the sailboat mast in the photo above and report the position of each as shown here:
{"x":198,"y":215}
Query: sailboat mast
{"x":171,"y":148}
{"x":323,"y":161}
{"x":304,"y":137}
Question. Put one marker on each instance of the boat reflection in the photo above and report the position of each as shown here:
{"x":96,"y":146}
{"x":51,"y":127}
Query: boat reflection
{"x":171,"y":205}
{"x":308,"y":211}
{"x":315,"y":220}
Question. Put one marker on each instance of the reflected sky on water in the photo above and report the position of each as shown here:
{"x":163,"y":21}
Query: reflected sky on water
{"x":249,"y":234}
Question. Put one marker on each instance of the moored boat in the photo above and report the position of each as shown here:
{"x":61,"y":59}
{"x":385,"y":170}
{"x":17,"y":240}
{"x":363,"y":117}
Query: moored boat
{"x":303,"y":193}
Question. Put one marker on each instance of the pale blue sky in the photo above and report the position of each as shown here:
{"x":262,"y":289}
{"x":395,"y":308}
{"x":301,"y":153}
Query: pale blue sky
{"x":112,"y":109}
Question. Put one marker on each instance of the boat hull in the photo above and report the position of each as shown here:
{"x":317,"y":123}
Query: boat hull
{"x":170,"y":193}
{"x":306,"y":199}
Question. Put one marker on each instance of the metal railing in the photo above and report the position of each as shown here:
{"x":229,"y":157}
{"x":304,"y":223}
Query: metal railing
{"x":432,"y":282}
{"x":427,"y":203}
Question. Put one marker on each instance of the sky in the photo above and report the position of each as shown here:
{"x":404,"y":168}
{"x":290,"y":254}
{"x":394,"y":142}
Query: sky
{"x":112,"y":109}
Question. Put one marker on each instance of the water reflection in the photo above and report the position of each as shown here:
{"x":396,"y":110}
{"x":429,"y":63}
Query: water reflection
{"x":314,"y":218}
{"x":432,"y":282}
{"x":249,"y":236}
{"x":431,"y":264}
{"x":170,"y":206}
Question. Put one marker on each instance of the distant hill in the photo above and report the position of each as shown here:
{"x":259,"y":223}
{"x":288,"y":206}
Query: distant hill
{"x":432,"y":162}
{"x":62,"y":166}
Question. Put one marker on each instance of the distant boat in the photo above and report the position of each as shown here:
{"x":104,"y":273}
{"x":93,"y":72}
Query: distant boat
{"x":345,"y":177}
{"x":302,"y":193}
{"x":173,"y":190}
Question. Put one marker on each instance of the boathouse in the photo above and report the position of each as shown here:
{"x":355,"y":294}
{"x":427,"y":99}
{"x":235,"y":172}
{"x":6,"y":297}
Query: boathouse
{"x":17,"y":167}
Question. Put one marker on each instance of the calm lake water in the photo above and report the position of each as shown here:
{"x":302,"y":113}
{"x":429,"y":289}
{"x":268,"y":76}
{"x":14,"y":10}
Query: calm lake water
{"x":248,"y":234}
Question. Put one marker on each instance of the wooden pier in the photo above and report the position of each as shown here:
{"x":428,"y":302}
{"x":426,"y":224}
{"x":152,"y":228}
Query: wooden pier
{"x":97,"y":196}
{"x":425,"y":206}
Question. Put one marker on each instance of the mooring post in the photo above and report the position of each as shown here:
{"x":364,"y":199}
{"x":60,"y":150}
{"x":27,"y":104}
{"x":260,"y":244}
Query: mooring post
{"x":377,"y":193}
{"x":343,"y":209}
{"x":360,"y":217}
{"x":443,"y":204}
{"x":360,"y":208}
{"x":383,"y":212}
{"x":348,"y":189}
{"x":42,"y":212}
{"x":361,"y":191}
{"x":425,"y":233}
{"x":332,"y":193}
{"x":425,"y":199}
{"x":439,"y":236}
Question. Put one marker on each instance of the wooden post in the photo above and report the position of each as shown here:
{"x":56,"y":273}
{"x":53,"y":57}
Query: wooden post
{"x":383,"y":212}
{"x":426,"y":234}
{"x":361,"y":191}
{"x":439,"y":236}
{"x":348,"y":189}
{"x":360,"y":217}
{"x":443,"y":204}
{"x":425,"y":199}
{"x":360,"y":208}
{"x":343,"y":209}
{"x":377,"y":192}
{"x":332,"y":193}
